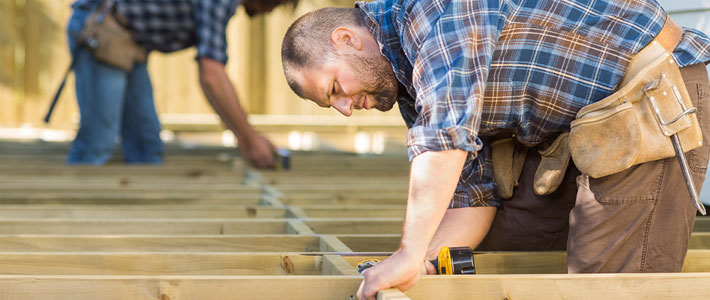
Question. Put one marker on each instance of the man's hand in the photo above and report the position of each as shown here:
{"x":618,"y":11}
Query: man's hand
{"x":258,"y":150}
{"x":431,"y":184}
{"x":221,"y":94}
{"x":401,"y":270}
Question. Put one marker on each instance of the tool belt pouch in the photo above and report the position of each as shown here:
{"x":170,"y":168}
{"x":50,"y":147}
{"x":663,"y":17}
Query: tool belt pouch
{"x":110,"y":42}
{"x":633,"y":125}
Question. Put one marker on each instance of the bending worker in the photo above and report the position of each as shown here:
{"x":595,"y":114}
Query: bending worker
{"x":113,"y":87}
{"x":489,"y":90}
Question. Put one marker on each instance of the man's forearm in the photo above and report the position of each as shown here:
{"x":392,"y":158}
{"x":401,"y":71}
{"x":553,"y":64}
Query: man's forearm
{"x":433,"y":179}
{"x":222,"y":96}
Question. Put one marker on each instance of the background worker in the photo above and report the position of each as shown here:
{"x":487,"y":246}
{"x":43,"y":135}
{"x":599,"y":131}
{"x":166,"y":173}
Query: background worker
{"x":115,"y":102}
{"x":469,"y":74}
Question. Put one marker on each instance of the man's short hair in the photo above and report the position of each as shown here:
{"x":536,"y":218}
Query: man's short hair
{"x":307,"y":41}
{"x":275,"y":3}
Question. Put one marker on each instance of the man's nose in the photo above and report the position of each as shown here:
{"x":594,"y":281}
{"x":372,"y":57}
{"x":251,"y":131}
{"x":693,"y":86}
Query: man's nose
{"x":344,"y":105}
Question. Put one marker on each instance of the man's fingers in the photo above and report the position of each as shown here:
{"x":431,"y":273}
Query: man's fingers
{"x":359,"y":291}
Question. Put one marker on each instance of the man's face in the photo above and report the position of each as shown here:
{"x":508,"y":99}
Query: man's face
{"x":352,"y":81}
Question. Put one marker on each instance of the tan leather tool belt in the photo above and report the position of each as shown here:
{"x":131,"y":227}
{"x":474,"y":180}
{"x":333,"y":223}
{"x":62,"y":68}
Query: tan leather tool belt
{"x":633,"y":125}
{"x":110,"y":42}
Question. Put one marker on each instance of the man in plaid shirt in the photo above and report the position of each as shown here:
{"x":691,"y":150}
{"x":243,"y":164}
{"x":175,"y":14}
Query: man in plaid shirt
{"x":114,"y":103}
{"x":466,"y":73}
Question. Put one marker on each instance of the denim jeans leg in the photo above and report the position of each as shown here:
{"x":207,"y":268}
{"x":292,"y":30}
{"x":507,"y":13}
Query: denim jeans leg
{"x":140,"y":132}
{"x":100,"y":91}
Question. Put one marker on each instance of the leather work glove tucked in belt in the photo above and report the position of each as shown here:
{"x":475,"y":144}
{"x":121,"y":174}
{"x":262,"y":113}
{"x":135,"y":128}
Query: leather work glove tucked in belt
{"x":509,"y":156}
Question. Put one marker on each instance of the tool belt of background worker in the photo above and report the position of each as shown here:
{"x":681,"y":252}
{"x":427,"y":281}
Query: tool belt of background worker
{"x":109,"y":41}
{"x":630,"y":127}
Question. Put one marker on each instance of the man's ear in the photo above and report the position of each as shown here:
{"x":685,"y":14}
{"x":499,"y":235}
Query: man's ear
{"x":343,"y":36}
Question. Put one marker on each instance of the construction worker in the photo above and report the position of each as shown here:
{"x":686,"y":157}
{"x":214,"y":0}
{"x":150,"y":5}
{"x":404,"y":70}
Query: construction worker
{"x":489,"y":90}
{"x":113,"y":86}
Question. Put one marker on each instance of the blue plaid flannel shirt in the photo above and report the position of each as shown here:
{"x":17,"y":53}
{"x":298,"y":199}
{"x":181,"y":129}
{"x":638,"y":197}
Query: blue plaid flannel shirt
{"x":472,"y":69}
{"x":172,"y":25}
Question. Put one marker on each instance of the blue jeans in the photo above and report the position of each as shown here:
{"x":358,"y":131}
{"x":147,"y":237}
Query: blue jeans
{"x":113,"y":104}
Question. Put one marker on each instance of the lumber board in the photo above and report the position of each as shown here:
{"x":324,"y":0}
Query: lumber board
{"x":118,"y":180}
{"x":343,"y":197}
{"x":298,"y":227}
{"x":702,"y":224}
{"x":263,"y":263}
{"x":336,"y":265}
{"x":555,"y":286}
{"x":122,"y":187}
{"x":188,"y":263}
{"x":329,"y":243}
{"x":143,"y":226}
{"x":167,"y":211}
{"x":371,"y":242}
{"x":390,"y":242}
{"x":135,"y":198}
{"x":356,"y":226}
{"x":391,"y":294}
{"x":161,"y":243}
{"x":120,"y":170}
{"x":289,"y":178}
{"x":352,"y":211}
{"x":538,"y":262}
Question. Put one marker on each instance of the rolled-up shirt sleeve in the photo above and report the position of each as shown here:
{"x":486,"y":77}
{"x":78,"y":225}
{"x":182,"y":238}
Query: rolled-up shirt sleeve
{"x":450,"y":72}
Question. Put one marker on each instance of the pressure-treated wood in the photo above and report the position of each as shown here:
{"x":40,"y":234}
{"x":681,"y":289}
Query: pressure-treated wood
{"x":206,"y":227}
{"x":165,"y":211}
{"x":143,"y":226}
{"x":555,"y":286}
{"x":161,"y":243}
{"x":179,"y":263}
{"x":132,"y":197}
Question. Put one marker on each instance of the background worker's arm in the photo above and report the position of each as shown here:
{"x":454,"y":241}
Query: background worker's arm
{"x":221,"y":95}
{"x":433,"y":180}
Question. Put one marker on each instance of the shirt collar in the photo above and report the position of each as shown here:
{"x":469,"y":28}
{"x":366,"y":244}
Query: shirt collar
{"x":380,"y":17}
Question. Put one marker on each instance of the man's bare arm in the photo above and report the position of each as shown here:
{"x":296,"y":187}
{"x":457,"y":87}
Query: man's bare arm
{"x":433,"y":179}
{"x":222,"y":96}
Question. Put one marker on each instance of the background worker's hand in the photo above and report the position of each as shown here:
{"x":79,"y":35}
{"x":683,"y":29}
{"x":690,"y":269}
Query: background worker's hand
{"x":258,"y":150}
{"x":401,"y":270}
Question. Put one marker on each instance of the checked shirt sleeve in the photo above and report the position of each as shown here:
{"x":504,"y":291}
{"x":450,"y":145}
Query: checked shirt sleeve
{"x":211,"y":18}
{"x":450,"y":72}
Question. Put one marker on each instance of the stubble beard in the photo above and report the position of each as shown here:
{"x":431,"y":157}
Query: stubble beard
{"x":376,"y":76}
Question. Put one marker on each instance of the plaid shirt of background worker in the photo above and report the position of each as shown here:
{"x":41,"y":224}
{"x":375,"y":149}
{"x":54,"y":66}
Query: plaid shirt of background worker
{"x":169,"y":26}
{"x":530,"y":66}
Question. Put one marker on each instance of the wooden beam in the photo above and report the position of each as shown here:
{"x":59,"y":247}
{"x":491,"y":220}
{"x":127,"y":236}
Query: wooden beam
{"x":371,"y":242}
{"x":265,"y":263}
{"x":702,"y":224}
{"x":391,"y":294}
{"x":180,"y":263}
{"x":336,"y":265}
{"x":355,"y":226}
{"x":329,"y":243}
{"x":352,"y":211}
{"x":166,"y":211}
{"x":143,"y":226}
{"x":557,"y":286}
{"x":344,"y":197}
{"x":700,"y":240}
{"x":125,"y":198}
{"x":298,"y":227}
{"x":161,"y":243}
